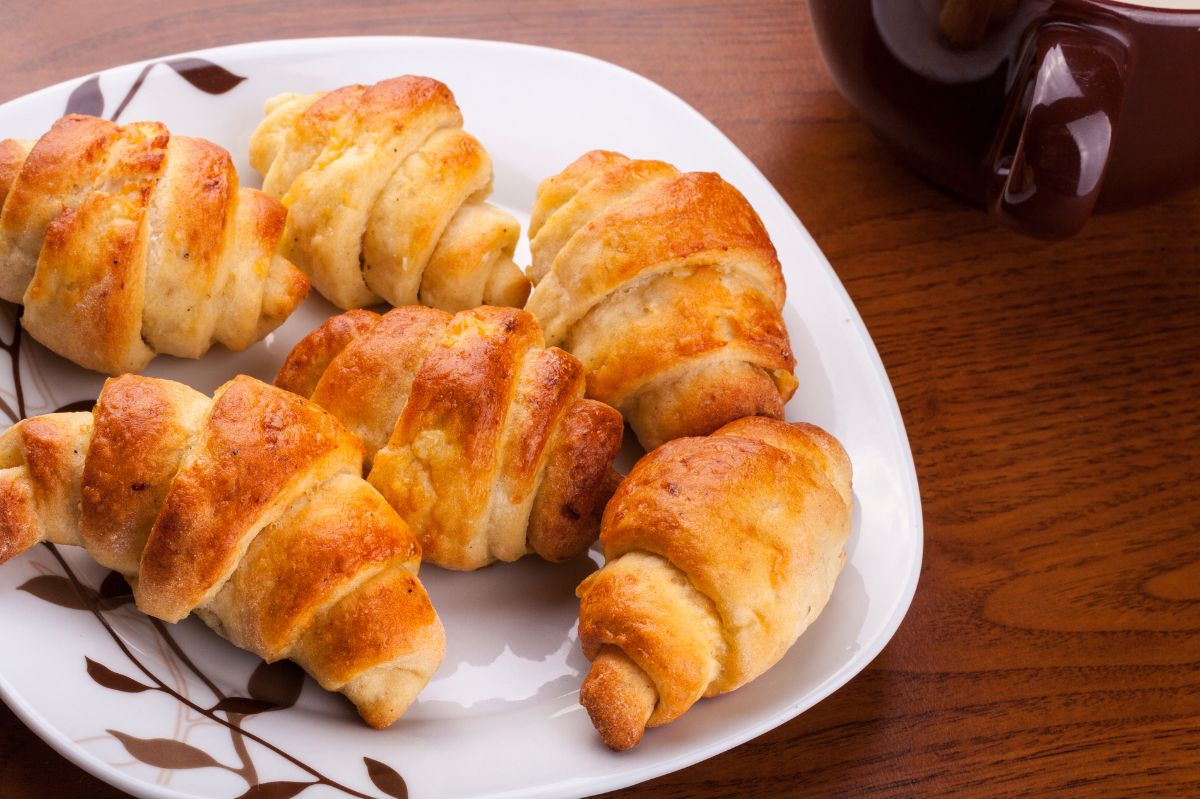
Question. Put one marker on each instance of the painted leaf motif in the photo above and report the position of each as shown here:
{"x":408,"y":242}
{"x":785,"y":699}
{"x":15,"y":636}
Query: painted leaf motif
{"x":247,"y":707}
{"x":78,"y":405}
{"x":275,"y":790}
{"x":114,"y":585}
{"x":55,"y":589}
{"x":8,"y":411}
{"x":86,"y":98}
{"x":279,"y":683}
{"x":205,"y":75}
{"x":114,"y":591}
{"x":105,"y":676}
{"x":386,"y":779}
{"x":164,"y":752}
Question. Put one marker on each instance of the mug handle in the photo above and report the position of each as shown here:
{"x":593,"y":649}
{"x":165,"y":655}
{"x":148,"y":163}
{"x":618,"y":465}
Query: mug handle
{"x":1056,"y":136}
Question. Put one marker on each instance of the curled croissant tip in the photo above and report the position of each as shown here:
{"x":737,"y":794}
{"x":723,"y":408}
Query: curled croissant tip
{"x":618,"y":730}
{"x":377,"y":722}
{"x":618,"y":710}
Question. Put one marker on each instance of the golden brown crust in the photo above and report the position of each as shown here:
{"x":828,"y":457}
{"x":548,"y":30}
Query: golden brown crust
{"x":143,"y":427}
{"x":578,"y":481}
{"x":698,"y":399}
{"x":645,"y":608}
{"x":817,"y":447}
{"x":259,"y":452}
{"x":584,"y":191}
{"x":12,"y":157}
{"x":478,"y":434}
{"x":381,"y":365}
{"x":258,"y":520}
{"x":54,"y":452}
{"x":720,"y":551}
{"x":189,"y":225}
{"x":314,"y":551}
{"x":123,"y":242}
{"x":284,"y":290}
{"x":692,"y":219}
{"x":58,"y":173}
{"x":379,"y":645}
{"x":89,"y":279}
{"x":619,"y":698}
{"x":386,"y":197}
{"x":309,"y":359}
{"x":442,"y":460}
{"x":18,"y":517}
{"x":478,"y":234}
{"x":536,"y":438}
{"x":351,"y":638}
{"x":557,"y":190}
{"x":40,"y":460}
{"x":649,"y":276}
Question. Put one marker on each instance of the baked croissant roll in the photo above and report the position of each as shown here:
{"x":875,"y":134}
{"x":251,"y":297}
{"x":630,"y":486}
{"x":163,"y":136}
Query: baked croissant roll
{"x":667,"y":287}
{"x":385,"y":193}
{"x":248,"y":509}
{"x":479,"y":435}
{"x":123,"y":242}
{"x":720,"y":551}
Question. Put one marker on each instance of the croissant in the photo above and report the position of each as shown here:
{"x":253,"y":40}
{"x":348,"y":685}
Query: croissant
{"x":249,"y":509}
{"x":478,"y":434}
{"x":668,"y":288}
{"x":720,"y":551}
{"x":125,"y":241}
{"x":385,"y":192}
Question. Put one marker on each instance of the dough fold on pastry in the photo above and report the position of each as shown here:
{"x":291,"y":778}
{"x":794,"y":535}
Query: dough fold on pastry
{"x":720,"y":551}
{"x":477,"y":433}
{"x":385,"y":193}
{"x":249,"y":510}
{"x":668,"y":289}
{"x":123,"y":242}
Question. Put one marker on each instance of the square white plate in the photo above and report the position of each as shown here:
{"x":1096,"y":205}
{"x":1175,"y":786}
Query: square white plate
{"x":501,"y":717}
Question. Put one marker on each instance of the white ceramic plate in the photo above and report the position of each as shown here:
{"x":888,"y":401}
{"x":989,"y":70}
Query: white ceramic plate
{"x":133,"y":702}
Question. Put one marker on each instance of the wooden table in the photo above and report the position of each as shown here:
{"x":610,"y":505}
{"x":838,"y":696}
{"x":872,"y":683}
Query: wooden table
{"x":1051,"y":394}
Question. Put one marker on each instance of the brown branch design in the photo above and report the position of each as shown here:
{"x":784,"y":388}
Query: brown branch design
{"x":210,"y":78}
{"x":271,"y":687}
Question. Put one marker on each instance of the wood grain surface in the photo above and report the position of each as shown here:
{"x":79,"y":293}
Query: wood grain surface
{"x":1051,"y":394}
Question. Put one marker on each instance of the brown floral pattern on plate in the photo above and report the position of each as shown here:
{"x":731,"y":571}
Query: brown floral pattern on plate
{"x":272,"y":686}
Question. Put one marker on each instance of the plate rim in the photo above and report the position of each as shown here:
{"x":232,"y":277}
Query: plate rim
{"x":909,"y":483}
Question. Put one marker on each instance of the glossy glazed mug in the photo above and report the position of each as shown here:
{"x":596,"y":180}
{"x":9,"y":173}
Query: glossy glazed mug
{"x":1038,"y":109}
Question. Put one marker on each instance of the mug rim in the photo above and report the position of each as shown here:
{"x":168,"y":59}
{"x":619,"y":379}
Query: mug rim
{"x":1132,"y":4}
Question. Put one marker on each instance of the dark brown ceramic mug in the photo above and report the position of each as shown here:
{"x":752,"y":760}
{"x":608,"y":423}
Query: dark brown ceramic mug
{"x":1039,"y":109}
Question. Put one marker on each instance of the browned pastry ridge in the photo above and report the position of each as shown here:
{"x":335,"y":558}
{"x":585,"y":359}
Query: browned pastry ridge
{"x":385,"y":193}
{"x":479,"y":434}
{"x":123,"y":242}
{"x":720,"y":552}
{"x":667,"y":287}
{"x":248,"y":509}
